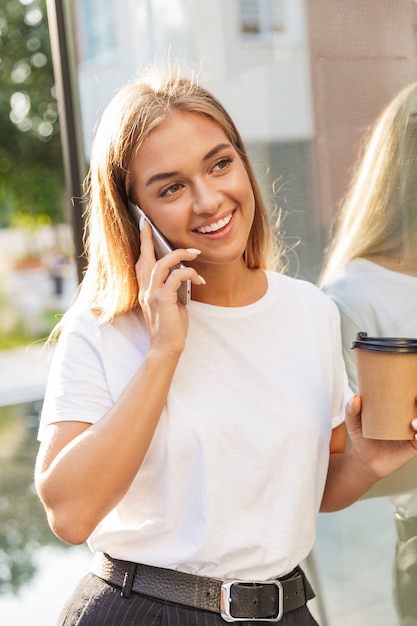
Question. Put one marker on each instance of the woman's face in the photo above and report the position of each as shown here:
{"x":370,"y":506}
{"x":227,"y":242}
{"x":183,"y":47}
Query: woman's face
{"x":191,"y":182}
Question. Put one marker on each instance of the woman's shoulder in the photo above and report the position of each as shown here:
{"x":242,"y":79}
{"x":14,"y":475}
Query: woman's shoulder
{"x":83,"y":320}
{"x":360,"y":288}
{"x":354,"y":278}
{"x":293,"y":283}
{"x":299,"y":288}
{"x":357,"y":271}
{"x":78,"y":317}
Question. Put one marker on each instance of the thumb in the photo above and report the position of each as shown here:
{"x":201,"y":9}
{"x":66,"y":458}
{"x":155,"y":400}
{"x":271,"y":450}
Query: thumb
{"x":353,"y":412}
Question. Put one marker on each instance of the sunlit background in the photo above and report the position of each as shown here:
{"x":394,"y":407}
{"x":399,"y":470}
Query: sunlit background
{"x":304,"y":80}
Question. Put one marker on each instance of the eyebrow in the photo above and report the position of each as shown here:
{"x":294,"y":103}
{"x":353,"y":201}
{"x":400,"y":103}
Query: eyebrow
{"x":209,"y":155}
{"x":215,"y":150}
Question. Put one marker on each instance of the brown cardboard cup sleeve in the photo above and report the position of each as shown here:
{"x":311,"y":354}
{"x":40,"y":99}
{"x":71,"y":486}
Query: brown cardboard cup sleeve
{"x":387,"y":382}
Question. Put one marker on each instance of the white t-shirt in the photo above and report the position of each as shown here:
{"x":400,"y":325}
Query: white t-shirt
{"x":382,"y":303}
{"x":232,"y":482}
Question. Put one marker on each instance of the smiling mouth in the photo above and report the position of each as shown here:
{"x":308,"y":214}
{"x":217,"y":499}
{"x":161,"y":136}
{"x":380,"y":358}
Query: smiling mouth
{"x":216,"y":226}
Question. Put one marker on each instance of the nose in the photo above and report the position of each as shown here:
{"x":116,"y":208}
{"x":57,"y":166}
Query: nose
{"x":206,"y":198}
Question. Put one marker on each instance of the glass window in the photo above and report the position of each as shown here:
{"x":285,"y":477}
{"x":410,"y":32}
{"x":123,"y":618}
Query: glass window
{"x":96,"y":21}
{"x":292,"y":75}
{"x":261,"y":17}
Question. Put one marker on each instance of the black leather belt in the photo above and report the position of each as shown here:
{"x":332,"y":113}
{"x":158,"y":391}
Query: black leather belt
{"x":235,"y":600}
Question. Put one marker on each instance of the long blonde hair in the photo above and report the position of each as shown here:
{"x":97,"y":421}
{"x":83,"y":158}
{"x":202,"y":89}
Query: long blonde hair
{"x":380,"y":207}
{"x":112,"y":243}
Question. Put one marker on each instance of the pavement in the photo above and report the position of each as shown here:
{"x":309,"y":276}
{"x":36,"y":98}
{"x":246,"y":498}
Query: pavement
{"x":29,"y":294}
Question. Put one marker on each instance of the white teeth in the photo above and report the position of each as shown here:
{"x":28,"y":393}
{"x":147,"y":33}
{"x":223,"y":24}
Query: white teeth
{"x":216,"y":226}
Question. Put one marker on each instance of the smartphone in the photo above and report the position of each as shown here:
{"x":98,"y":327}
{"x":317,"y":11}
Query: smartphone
{"x":162,"y":247}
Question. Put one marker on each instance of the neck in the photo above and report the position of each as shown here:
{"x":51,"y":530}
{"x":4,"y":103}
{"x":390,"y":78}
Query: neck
{"x":229,"y":286}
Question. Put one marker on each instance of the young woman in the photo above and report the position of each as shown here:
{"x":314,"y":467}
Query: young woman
{"x":371,"y":274}
{"x":193,"y":445}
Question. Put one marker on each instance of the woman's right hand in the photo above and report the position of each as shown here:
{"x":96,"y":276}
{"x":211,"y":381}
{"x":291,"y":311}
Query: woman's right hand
{"x":166,"y":317}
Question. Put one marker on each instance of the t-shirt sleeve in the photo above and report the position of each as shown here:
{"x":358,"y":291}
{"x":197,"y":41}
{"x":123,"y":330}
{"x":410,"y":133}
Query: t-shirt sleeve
{"x":77,"y":388}
{"x":342,"y":392}
{"x":349,"y":331}
{"x":350,"y":313}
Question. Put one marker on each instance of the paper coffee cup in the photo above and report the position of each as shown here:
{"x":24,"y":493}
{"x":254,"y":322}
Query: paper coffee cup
{"x":387,"y":382}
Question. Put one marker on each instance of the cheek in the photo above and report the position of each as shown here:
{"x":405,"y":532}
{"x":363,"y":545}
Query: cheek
{"x":244,"y":187}
{"x":251,"y":207}
{"x":248,"y":197}
{"x":171,"y":223}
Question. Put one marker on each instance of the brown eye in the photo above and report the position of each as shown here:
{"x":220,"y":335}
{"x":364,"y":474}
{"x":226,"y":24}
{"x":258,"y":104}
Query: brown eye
{"x":169,"y":191}
{"x":223,"y":164}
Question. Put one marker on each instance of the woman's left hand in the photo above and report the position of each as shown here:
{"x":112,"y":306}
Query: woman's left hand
{"x":381,"y":456}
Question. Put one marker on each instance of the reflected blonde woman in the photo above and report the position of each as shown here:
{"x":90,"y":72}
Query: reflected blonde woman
{"x":371,"y":273}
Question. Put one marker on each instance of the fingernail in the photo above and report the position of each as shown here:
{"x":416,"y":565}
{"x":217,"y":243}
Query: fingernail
{"x":414,"y":423}
{"x":203,"y":282}
{"x":193,"y":250}
{"x":141,"y":222}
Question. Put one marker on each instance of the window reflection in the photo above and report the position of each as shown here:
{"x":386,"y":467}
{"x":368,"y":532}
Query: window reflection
{"x":261,"y":17}
{"x":96,"y":22}
{"x":23,"y":527}
{"x":304,"y":81}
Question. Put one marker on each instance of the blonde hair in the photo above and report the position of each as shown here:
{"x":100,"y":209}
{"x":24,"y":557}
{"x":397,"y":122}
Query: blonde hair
{"x":381,"y":204}
{"x":112,"y":243}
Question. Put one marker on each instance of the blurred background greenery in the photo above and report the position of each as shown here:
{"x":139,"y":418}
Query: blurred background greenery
{"x":35,"y":261}
{"x":35,"y":243}
{"x":31,"y":168}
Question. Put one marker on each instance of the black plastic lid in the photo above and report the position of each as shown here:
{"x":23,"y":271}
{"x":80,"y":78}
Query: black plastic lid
{"x":385,"y":344}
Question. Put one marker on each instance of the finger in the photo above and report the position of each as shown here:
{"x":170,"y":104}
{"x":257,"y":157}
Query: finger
{"x":354,"y":405}
{"x":146,"y":260}
{"x":182,"y":274}
{"x":353,"y":413}
{"x":146,"y":242}
{"x":177,"y":256}
{"x":172,"y":265}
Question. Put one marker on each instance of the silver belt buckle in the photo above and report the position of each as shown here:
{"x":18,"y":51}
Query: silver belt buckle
{"x":225,"y":601}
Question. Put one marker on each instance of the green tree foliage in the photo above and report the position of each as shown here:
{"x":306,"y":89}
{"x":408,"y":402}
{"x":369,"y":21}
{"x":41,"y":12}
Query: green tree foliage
{"x":31,"y":168}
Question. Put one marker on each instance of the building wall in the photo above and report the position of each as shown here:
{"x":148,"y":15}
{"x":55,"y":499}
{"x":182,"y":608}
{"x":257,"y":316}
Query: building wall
{"x":362,"y":54}
{"x":264,"y":83}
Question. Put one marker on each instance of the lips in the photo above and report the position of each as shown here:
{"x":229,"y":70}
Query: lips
{"x":215,"y":226}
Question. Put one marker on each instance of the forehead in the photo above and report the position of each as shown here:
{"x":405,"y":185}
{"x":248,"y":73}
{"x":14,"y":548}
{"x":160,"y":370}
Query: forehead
{"x":184,"y":133}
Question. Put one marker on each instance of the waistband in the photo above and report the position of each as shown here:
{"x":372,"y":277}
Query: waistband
{"x":234,"y":600}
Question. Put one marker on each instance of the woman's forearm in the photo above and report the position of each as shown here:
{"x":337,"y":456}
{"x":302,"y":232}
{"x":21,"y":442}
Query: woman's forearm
{"x":81,"y":479}
{"x":347,"y":480}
